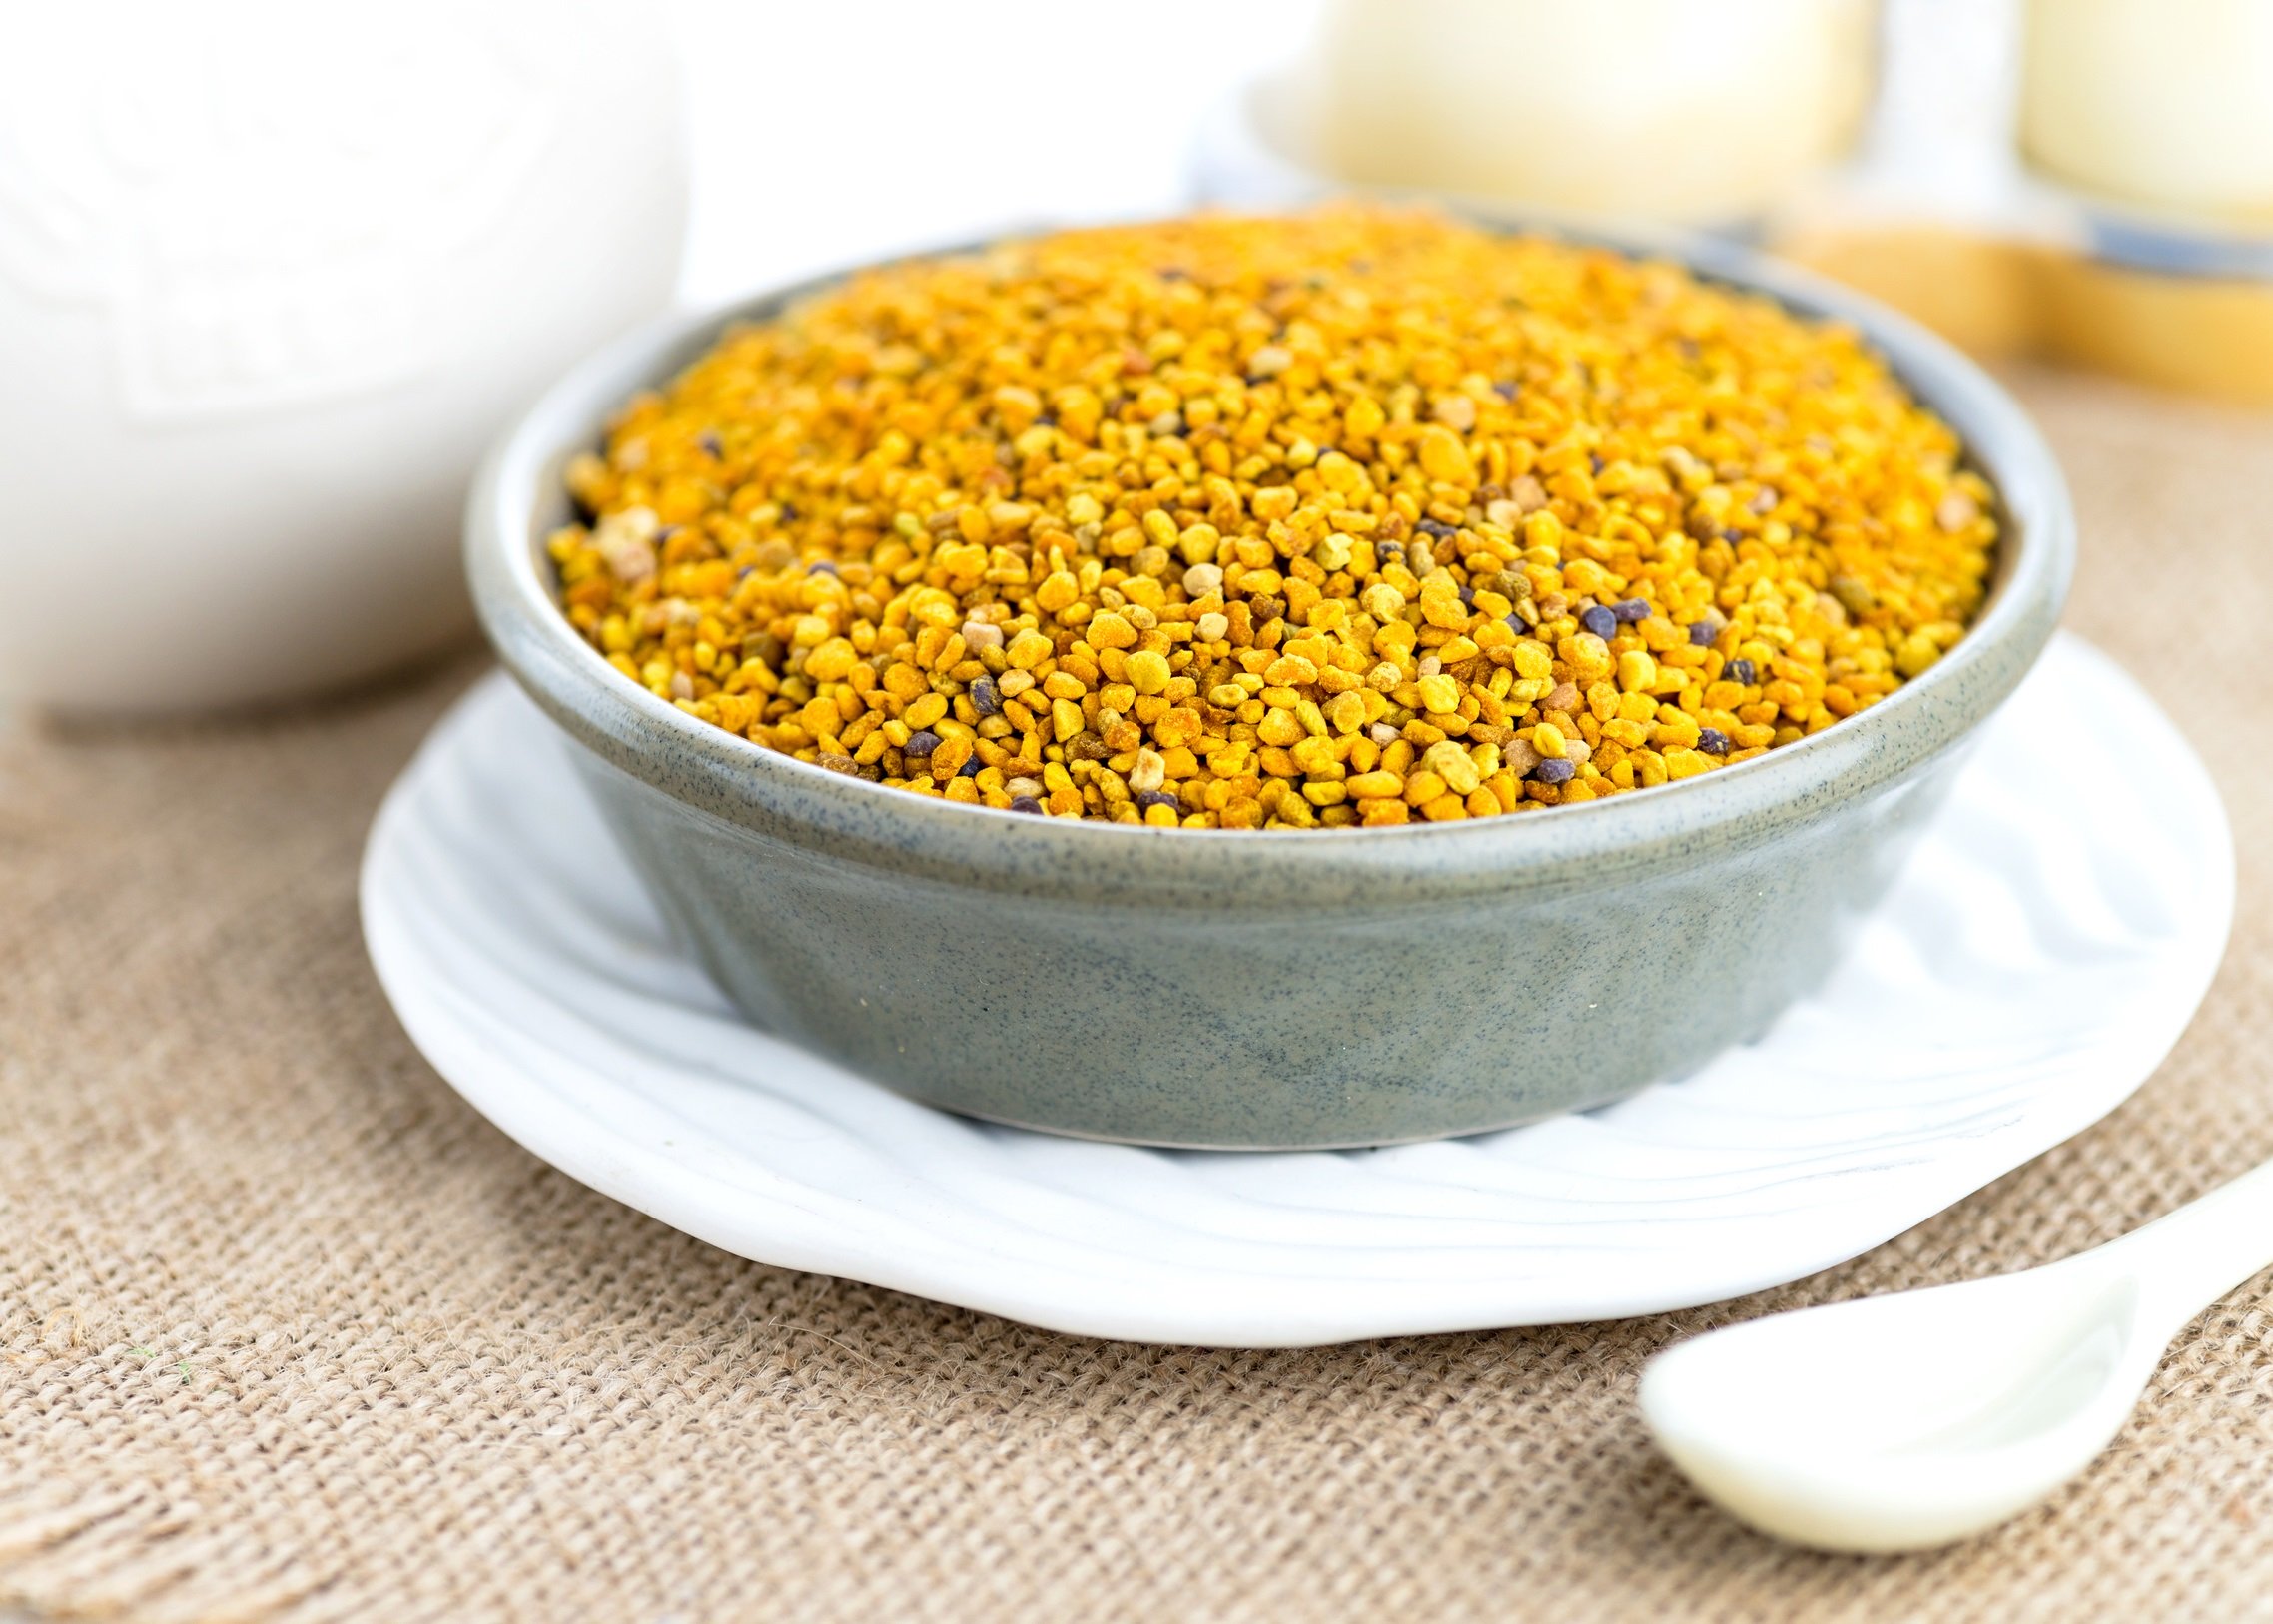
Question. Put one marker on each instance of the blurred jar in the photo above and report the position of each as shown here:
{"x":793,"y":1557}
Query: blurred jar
{"x":271,"y":276}
{"x":1669,"y":109}
{"x":2168,"y":103}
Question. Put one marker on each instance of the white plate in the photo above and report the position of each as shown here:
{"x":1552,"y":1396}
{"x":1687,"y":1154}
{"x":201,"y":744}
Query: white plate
{"x":2039,"y":956}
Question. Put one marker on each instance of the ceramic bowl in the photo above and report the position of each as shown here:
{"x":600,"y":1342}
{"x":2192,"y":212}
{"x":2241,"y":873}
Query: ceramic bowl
{"x":1267,"y":988}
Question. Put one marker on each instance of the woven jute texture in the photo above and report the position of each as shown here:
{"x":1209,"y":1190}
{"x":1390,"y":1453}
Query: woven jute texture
{"x":287,"y":1331}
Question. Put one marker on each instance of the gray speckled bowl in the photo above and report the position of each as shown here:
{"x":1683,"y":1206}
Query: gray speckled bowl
{"x":1267,"y":988}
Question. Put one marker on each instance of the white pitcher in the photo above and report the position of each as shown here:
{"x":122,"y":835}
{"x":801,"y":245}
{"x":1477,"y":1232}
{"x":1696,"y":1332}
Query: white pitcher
{"x":271,"y":276}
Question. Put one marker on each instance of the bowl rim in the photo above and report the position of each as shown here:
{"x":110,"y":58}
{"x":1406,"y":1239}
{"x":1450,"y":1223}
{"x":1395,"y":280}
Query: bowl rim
{"x":744,"y":782}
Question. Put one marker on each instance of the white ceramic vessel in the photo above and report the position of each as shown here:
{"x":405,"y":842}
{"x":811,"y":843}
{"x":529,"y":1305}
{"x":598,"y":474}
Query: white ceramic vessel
{"x":1651,"y":109}
{"x":2164,"y":102}
{"x":2048,"y":941}
{"x":270,"y":277}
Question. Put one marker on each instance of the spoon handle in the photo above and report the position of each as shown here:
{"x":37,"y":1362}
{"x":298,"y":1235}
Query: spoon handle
{"x":2196,"y":1254}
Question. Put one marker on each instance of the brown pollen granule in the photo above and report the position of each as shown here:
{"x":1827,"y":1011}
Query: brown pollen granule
{"x":1346,"y":519}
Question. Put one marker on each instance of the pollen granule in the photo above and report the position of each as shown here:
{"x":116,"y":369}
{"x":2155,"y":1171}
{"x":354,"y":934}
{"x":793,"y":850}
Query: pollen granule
{"x":1351,"y":519}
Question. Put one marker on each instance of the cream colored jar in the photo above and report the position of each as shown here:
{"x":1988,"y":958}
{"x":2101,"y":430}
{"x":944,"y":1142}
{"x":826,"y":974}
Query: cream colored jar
{"x":2167,"y":103}
{"x":1668,"y":109}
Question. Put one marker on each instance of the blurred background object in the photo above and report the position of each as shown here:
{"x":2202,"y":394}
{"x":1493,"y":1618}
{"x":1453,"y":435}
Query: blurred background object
{"x":1699,"y":113}
{"x":2009,"y":190}
{"x":2165,"y":103}
{"x":271,"y":276}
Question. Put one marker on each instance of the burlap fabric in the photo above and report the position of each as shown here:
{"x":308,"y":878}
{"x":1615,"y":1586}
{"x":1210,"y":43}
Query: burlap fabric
{"x":287,"y":1331}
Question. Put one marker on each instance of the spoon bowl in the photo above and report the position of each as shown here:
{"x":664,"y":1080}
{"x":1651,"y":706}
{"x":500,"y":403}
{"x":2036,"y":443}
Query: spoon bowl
{"x":1997,"y":1398}
{"x":1907,"y":1421}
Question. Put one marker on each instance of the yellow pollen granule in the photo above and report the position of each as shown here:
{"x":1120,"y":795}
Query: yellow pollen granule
{"x":1350,"y":518}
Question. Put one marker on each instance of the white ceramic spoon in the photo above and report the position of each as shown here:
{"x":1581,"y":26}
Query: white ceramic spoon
{"x":1898,"y":1422}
